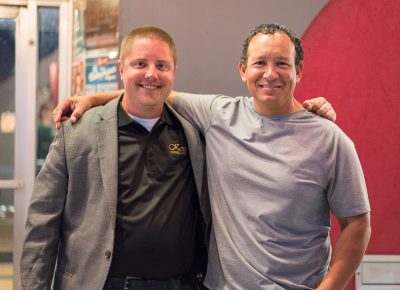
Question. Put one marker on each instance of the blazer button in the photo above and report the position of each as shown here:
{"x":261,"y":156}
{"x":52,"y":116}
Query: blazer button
{"x":107,"y":254}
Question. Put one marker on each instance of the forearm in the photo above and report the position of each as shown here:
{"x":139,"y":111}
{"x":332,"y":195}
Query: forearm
{"x":347,"y":253}
{"x":103,"y":98}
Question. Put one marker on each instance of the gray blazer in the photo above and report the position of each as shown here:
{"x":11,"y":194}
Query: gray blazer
{"x":71,"y":218}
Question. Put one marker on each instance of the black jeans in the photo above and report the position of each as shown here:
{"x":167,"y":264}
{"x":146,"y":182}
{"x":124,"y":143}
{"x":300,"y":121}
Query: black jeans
{"x":131,"y":283}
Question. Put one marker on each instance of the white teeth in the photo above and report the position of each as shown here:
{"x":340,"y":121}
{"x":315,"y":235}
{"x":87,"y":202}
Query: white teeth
{"x":269,"y":86}
{"x":149,"y":86}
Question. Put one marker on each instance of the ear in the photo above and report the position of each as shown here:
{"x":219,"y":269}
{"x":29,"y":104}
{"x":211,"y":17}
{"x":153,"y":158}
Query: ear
{"x":121,"y":69}
{"x":299,"y":72}
{"x":242,"y":71}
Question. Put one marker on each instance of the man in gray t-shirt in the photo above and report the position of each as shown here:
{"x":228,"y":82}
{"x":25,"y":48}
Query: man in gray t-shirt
{"x":273,"y":181}
{"x":275,"y":173}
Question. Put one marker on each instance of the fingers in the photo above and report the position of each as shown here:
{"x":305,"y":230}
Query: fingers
{"x":76,"y":114}
{"x":57,"y":112}
{"x":63,"y":118}
{"x":321,"y":107}
{"x":308,"y":105}
{"x":327,"y":112}
{"x":62,"y":111}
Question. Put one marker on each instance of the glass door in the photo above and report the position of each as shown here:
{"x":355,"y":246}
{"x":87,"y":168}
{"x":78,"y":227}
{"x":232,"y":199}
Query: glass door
{"x":8,"y":183}
{"x":34,"y":75}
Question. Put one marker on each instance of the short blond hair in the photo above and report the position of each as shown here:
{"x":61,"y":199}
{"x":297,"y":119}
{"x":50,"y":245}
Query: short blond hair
{"x":147,"y":32}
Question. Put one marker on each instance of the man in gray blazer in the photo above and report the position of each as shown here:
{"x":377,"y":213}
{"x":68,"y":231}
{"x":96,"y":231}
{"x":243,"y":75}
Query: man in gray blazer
{"x":121,"y":200}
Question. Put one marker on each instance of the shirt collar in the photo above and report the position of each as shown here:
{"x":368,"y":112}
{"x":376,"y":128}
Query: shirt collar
{"x":166,"y":117}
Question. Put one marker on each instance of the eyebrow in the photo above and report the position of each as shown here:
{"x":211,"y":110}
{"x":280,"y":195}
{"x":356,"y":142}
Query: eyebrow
{"x":278,"y":58}
{"x":137,"y":59}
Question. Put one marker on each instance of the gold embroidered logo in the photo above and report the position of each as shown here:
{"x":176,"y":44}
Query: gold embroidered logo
{"x":177,"y":149}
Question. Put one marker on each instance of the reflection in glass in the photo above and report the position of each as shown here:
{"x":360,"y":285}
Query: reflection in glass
{"x":47,"y":85}
{"x":7,"y":140}
{"x":94,"y":46}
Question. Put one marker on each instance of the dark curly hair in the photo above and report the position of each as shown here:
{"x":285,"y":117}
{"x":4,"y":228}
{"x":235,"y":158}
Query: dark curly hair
{"x":271,"y":29}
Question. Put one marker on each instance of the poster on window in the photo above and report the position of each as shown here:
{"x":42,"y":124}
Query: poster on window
{"x":101,"y":74}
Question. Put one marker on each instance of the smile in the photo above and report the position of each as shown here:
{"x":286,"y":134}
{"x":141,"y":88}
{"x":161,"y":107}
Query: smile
{"x":269,"y":86}
{"x":149,"y":86}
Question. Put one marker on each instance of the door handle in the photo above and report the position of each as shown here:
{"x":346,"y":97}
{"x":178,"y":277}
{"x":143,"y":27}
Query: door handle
{"x":11,"y":184}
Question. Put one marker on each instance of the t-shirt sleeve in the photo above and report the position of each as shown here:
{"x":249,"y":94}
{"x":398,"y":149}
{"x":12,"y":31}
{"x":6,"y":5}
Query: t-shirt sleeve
{"x":195,"y":108}
{"x":347,"y":190}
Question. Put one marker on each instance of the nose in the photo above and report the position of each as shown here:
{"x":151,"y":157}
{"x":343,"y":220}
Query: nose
{"x":151,"y":72}
{"x":270,"y":72}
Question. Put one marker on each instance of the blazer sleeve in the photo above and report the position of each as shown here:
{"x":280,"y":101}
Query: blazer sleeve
{"x":42,"y":230}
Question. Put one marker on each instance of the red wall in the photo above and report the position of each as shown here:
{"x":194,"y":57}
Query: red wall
{"x":352,"y":57}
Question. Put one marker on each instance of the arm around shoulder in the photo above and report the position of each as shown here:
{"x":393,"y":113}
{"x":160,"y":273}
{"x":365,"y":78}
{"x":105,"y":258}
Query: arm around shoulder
{"x":74,"y":107}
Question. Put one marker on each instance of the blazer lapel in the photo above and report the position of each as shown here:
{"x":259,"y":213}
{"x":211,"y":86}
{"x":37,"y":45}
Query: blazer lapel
{"x":107,"y":138}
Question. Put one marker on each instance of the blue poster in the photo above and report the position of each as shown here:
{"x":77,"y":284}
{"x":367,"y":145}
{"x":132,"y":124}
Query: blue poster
{"x":101,"y":74}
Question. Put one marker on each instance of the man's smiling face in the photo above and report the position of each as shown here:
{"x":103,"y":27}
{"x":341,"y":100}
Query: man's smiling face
{"x":270,"y":73}
{"x":147,"y":71}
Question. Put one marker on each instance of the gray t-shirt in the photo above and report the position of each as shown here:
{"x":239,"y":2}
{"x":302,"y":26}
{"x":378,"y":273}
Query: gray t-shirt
{"x":273,"y":183}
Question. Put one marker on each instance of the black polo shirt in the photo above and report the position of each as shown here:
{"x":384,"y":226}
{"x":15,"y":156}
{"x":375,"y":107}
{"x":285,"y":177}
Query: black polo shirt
{"x":157,"y":202}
